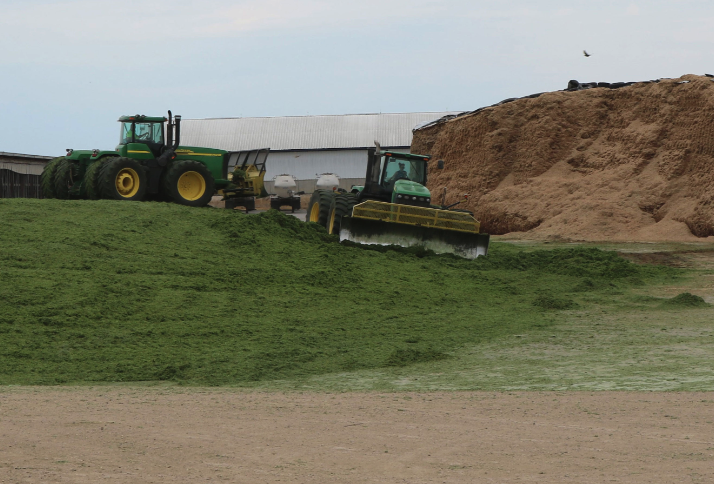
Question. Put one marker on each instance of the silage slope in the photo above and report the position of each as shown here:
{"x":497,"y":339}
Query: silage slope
{"x":104,"y":291}
{"x":629,"y":164}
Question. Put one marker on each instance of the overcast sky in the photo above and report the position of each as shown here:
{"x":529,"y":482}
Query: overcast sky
{"x":69,"y":69}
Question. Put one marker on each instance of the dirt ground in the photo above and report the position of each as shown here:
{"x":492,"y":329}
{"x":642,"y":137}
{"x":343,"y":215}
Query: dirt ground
{"x":169,"y":434}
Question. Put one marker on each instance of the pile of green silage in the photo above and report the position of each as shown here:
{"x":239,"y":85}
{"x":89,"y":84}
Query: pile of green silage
{"x":100,"y":291}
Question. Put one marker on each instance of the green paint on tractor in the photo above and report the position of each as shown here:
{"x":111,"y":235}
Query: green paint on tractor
{"x":394,"y":206}
{"x":149,"y":162}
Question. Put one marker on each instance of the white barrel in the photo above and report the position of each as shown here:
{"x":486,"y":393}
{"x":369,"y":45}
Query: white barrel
{"x":284,"y":186}
{"x":328,"y":181}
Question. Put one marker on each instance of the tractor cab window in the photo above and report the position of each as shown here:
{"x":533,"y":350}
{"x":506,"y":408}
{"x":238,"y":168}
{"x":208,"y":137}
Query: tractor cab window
{"x":127,"y":133}
{"x":158,"y":133}
{"x":398,"y":169}
{"x":147,"y":133}
{"x":142,"y":133}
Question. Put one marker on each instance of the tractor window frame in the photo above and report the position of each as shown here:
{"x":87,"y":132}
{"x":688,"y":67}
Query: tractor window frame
{"x":416,"y":170}
{"x":144,"y":132}
{"x":380,"y":177}
{"x":126,"y":128}
{"x":155,"y":133}
{"x":158,"y":133}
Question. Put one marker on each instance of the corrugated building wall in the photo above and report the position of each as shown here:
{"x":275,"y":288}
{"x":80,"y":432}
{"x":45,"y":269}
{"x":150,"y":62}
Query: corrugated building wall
{"x":306,"y":146}
{"x":20,"y":175}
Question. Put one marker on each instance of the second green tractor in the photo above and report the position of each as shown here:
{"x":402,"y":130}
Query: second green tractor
{"x":394,"y":207}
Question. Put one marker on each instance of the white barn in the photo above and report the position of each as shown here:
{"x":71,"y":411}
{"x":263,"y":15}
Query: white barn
{"x":306,"y":146}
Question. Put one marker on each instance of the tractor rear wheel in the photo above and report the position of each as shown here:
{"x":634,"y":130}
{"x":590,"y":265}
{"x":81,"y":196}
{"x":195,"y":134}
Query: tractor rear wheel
{"x":319,"y":207}
{"x":63,"y":178}
{"x":91,"y":179}
{"x":48,"y":176}
{"x":188,"y":182}
{"x":122,"y":178}
{"x":341,"y":206}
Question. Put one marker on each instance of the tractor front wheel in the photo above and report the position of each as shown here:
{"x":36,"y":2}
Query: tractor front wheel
{"x":122,"y":178}
{"x":319,"y":207}
{"x":341,"y":206}
{"x":189,"y":182}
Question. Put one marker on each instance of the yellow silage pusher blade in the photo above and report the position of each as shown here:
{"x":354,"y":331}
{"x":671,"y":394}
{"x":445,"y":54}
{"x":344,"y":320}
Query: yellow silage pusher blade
{"x":443,"y":231}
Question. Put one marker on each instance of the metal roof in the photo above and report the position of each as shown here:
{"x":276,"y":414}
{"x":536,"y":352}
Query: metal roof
{"x":289,"y":133}
{"x":21,"y":156}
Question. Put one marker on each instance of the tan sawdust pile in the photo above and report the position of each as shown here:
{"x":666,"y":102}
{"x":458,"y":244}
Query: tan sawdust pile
{"x":628,"y":164}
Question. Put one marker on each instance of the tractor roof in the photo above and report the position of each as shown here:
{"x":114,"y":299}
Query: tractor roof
{"x":407,"y":156}
{"x":143,"y":119}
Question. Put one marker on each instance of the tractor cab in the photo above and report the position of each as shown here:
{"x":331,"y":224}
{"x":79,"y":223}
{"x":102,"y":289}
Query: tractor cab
{"x":142,"y":130}
{"x":398,"y":168}
{"x":397,"y":178}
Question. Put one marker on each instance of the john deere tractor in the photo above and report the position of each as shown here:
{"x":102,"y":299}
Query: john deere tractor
{"x":147,"y":164}
{"x":395,"y":207}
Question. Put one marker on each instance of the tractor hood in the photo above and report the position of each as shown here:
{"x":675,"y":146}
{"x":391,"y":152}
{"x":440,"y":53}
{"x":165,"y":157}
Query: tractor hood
{"x":407,"y":187}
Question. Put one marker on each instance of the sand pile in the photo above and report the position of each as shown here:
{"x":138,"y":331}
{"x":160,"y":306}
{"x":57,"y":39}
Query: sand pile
{"x":628,"y":164}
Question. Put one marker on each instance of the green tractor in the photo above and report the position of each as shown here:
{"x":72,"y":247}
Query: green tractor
{"x":394,"y":207}
{"x":146,"y":164}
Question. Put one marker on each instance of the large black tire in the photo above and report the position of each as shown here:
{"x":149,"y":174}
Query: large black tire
{"x":47,"y":179}
{"x":319,"y":207}
{"x":64,"y":177}
{"x":91,"y":179}
{"x":341,"y":205}
{"x":122,"y":178}
{"x":189,"y":182}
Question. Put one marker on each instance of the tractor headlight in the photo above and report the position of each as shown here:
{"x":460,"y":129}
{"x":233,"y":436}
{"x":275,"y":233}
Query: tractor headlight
{"x":413,"y":198}
{"x":399,"y":196}
{"x":428,"y":199}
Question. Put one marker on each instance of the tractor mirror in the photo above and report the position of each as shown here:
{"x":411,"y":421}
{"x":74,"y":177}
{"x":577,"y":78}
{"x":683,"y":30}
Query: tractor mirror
{"x":440,"y":164}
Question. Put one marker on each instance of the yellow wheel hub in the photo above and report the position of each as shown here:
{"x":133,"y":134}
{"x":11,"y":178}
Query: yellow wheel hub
{"x":315,"y":213}
{"x":191,"y":185}
{"x":332,"y":223}
{"x":127,"y":182}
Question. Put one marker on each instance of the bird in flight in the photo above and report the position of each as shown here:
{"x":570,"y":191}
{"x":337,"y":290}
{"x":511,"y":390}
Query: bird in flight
{"x":585,"y":53}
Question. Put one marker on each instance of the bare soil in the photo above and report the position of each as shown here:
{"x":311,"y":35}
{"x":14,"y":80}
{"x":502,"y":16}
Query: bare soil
{"x":629,"y":164}
{"x":169,"y":434}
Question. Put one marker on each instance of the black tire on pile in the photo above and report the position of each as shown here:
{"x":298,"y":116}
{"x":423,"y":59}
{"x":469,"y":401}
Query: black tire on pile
{"x":319,"y":207}
{"x":122,"y":178}
{"x":64,"y":178}
{"x":91,"y":179}
{"x":48,"y":176}
{"x":341,"y":206}
{"x":188,"y":182}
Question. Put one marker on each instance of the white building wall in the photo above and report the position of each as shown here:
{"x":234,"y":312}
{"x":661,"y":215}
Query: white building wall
{"x":283,"y":133}
{"x":306,"y":165}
